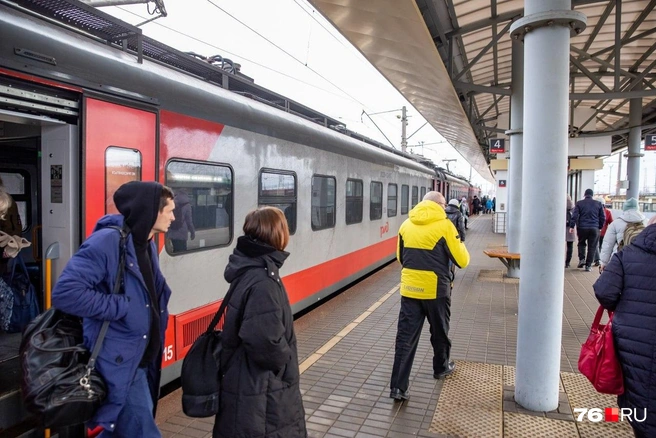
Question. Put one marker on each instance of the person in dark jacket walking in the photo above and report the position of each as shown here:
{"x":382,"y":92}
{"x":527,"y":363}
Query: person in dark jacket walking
{"x":452,"y":211}
{"x":627,"y":286}
{"x":589,"y":217}
{"x":569,"y":232}
{"x":260,"y":394}
{"x":131,"y":355}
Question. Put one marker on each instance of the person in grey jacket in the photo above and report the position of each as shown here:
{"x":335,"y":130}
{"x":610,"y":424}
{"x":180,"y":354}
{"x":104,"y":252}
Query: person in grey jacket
{"x":615,"y":231}
{"x":589,"y":218}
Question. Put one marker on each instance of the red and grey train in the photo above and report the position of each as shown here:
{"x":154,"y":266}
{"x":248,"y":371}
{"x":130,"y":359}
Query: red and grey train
{"x":87,"y":103}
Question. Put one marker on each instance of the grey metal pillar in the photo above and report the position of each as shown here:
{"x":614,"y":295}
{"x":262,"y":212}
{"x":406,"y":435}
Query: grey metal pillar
{"x":516,"y":150}
{"x":546,"y":29}
{"x":633,"y":154}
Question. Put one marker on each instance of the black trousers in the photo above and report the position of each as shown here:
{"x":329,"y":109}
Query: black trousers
{"x":568,"y":254}
{"x":411,"y":320}
{"x":589,"y":236}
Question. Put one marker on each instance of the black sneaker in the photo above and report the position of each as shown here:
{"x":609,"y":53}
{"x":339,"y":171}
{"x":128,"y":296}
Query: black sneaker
{"x":567,"y":266}
{"x":581,"y":264}
{"x":399,"y":395}
{"x":450,"y":369}
{"x":588,"y":269}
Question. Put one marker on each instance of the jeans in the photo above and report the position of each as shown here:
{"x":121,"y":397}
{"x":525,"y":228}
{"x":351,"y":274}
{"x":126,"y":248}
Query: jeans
{"x":411,"y":320}
{"x":589,"y":236}
{"x":136,"y":417}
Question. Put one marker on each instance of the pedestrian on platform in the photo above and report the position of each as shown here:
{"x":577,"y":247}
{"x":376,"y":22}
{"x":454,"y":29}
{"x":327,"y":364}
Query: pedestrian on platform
{"x":627,"y":286}
{"x":10,"y":223}
{"x":615,"y":232}
{"x":569,"y":232}
{"x":427,"y":243}
{"x":589,"y":217}
{"x":131,"y":355}
{"x":602,"y":233}
{"x":464,"y":209}
{"x":477,"y":205}
{"x":260,"y":393}
{"x":456,"y":217}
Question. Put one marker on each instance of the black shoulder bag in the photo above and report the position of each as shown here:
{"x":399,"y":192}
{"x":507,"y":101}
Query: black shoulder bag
{"x":59,"y":381}
{"x":201,"y":371}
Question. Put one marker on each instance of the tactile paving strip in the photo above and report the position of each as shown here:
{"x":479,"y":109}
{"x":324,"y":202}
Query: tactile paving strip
{"x":494,"y":276}
{"x":509,"y":378}
{"x":470,"y":402}
{"x":462,"y":422}
{"x":582,"y":394}
{"x":521,"y":426}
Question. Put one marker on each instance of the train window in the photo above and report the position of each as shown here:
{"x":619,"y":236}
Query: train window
{"x":353,"y":201}
{"x":391,"y":200}
{"x":16,"y":184}
{"x":278,"y":189}
{"x":405,"y":194}
{"x":203,"y":206}
{"x":376,"y":200}
{"x":323,"y":202}
{"x":422,"y":193}
{"x":122,"y":165}
{"x":415,"y":195}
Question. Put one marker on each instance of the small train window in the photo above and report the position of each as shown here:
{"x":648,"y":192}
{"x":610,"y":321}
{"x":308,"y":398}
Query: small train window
{"x":391,"y":199}
{"x":376,"y":200}
{"x":277,"y":188}
{"x":405,"y":195}
{"x":415,"y":195}
{"x":323,"y":202}
{"x":122,"y":165}
{"x":353,"y":201}
{"x":203,"y":206}
{"x":422,"y":193}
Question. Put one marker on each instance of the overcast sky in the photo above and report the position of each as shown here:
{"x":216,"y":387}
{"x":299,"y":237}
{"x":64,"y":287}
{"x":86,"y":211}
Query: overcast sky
{"x":288,"y":47}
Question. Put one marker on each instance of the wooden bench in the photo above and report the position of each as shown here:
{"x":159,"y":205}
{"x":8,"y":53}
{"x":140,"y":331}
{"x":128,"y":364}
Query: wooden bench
{"x":509,"y":259}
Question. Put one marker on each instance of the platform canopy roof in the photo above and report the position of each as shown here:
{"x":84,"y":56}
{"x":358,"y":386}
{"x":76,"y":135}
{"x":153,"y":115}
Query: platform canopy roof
{"x":451,"y":59}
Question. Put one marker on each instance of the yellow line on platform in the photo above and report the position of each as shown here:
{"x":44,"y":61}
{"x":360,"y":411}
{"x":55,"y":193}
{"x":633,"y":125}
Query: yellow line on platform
{"x":325,"y":348}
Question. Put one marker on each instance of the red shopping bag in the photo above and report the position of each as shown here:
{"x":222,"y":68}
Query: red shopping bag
{"x":598,"y":361}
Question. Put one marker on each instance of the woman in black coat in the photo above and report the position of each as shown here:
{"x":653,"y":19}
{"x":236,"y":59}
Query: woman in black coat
{"x":260,"y":395}
{"x":628,"y":287}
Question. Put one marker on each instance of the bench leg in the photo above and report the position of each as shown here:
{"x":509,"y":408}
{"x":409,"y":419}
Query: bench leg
{"x":513,"y":268}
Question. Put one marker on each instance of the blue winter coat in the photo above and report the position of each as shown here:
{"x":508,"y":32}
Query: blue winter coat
{"x":628,"y":286}
{"x":85,"y":289}
{"x":588,"y":213}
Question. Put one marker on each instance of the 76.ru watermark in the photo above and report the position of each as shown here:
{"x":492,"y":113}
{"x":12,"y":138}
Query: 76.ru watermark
{"x":610,"y":415}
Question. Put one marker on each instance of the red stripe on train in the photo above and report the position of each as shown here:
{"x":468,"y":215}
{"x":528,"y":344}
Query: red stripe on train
{"x":185,"y":327}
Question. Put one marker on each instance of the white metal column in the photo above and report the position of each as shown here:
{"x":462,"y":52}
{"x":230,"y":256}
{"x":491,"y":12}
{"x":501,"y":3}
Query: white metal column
{"x":633,"y":154}
{"x":516,"y":149}
{"x":546,"y":29}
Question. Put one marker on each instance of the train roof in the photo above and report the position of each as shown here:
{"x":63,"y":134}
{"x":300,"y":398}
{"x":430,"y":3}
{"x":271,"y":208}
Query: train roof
{"x":100,"y":26}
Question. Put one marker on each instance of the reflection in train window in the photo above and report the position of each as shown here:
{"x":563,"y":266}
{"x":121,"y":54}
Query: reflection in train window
{"x":278,"y":189}
{"x":422,"y":193}
{"x":353,"y":201}
{"x":15,"y":183}
{"x":376,"y":200}
{"x":203,"y":206}
{"x":415,"y":195}
{"x":323,"y":202}
{"x":405,"y":194}
{"x":121,"y":166}
{"x":391,"y":200}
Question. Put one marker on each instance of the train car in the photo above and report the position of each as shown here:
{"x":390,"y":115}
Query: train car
{"x":88,"y":103}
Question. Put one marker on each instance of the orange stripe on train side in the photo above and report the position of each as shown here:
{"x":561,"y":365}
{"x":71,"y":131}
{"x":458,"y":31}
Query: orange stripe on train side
{"x":303,"y":284}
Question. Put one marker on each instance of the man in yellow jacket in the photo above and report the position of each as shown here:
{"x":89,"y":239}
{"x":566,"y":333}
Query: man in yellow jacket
{"x":428,"y":242}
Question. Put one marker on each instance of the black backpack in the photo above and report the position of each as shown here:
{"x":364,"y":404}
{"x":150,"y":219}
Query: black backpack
{"x":201,"y":372}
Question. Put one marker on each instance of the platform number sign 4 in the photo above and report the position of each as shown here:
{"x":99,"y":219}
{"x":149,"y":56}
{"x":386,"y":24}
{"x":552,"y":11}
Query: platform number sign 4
{"x":497,"y":145}
{"x":650,"y":142}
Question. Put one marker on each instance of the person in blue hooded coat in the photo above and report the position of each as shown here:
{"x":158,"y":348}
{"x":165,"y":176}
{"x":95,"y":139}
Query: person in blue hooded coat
{"x":260,"y":393}
{"x":627,"y":286}
{"x":131,"y":355}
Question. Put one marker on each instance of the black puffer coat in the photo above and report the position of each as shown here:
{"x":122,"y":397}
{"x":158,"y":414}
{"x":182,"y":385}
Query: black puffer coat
{"x":628,"y":286}
{"x":260,"y":395}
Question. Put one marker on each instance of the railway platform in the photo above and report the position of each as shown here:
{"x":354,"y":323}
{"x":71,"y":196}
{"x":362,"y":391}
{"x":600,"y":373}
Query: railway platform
{"x":346,"y":350}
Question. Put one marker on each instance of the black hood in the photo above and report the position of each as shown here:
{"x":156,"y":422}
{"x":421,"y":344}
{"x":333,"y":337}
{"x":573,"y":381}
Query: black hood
{"x":138,"y":202}
{"x":251,"y":253}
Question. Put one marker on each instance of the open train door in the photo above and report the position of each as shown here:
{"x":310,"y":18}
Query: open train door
{"x":119,"y":146}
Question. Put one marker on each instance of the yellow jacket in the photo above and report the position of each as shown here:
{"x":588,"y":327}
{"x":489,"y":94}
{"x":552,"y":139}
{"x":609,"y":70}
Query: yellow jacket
{"x":427,"y":242}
